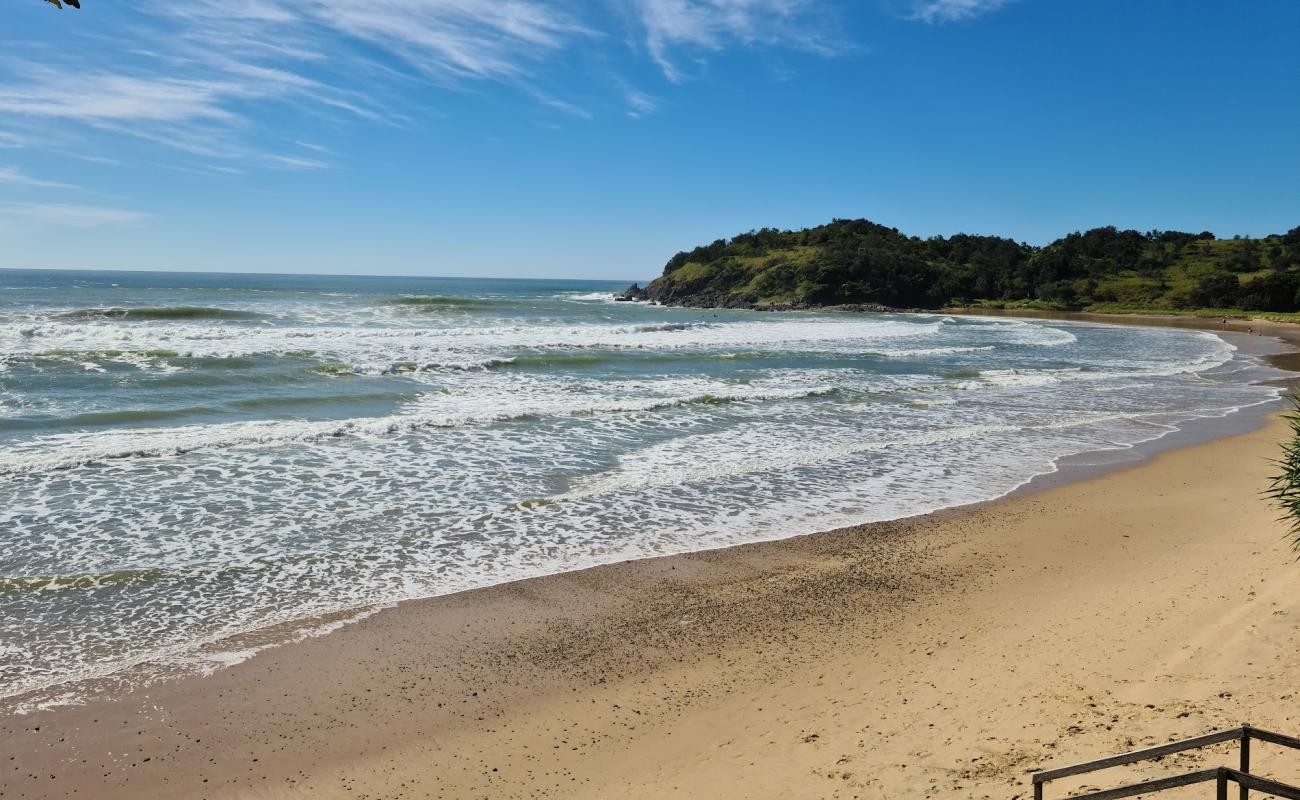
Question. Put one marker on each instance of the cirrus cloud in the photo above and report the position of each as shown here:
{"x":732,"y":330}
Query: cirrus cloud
{"x":203,"y":77}
{"x":939,"y":11}
{"x":64,"y":215}
{"x":713,"y":25}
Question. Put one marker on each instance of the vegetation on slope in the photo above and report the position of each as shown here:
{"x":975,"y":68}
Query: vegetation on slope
{"x":1105,"y":269}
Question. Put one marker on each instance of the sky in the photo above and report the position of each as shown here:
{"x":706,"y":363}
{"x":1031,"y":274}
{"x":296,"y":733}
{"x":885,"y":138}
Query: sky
{"x":595,"y":138}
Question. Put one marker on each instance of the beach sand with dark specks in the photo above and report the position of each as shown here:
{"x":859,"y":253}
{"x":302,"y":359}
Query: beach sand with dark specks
{"x":944,"y":656}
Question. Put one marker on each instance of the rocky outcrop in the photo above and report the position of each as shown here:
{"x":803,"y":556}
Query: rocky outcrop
{"x":632,"y":294}
{"x":666,"y":293}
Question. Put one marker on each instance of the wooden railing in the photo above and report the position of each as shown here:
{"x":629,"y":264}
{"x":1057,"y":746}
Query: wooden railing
{"x":1222,"y":776}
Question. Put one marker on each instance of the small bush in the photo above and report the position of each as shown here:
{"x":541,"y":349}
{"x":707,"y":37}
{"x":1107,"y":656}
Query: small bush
{"x":1284,"y":488}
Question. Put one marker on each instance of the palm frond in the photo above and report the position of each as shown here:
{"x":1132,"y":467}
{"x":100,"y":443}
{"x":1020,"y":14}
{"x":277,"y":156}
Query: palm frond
{"x":1284,"y":487}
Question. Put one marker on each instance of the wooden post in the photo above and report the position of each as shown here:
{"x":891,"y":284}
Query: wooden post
{"x":1223,"y":785}
{"x":1245,"y":758}
{"x":1038,"y":791}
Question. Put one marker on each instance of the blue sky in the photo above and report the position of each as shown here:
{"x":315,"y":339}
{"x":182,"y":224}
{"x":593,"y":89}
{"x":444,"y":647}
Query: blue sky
{"x":595,"y":138}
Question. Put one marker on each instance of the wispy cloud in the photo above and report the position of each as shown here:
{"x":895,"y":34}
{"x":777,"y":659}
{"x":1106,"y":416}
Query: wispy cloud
{"x":448,"y":41}
{"x":199,"y":112}
{"x":13,"y":176}
{"x":55,"y":214}
{"x":190,"y":76}
{"x":314,"y":147}
{"x":454,"y":39}
{"x":939,"y":11}
{"x":563,"y":106}
{"x":712,"y":25}
{"x":640,"y":104}
{"x":109,"y":96}
{"x":205,"y":76}
{"x":294,"y":162}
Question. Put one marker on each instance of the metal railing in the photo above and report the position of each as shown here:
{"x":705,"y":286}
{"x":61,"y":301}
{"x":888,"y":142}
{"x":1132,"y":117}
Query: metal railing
{"x":1221,"y":775}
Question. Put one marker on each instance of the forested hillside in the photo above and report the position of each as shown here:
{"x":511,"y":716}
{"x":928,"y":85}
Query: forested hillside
{"x":1106,"y":269}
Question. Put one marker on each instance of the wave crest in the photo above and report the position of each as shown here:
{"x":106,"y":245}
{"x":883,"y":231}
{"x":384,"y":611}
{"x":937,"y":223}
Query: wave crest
{"x":146,"y":313}
{"x":437,"y":301}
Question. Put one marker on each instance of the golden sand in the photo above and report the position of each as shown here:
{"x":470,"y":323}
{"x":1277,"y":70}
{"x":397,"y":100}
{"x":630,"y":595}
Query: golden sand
{"x":945,"y":656}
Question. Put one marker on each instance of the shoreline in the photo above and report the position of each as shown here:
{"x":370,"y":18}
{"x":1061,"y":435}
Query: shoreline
{"x":799,"y":650}
{"x":201,"y":660}
{"x":902,"y":563}
{"x":1286,"y":332}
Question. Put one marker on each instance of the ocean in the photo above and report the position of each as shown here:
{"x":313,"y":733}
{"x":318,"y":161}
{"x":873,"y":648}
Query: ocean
{"x":189,"y":457}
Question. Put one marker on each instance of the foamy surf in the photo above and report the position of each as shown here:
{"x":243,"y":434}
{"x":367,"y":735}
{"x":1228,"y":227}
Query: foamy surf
{"x":194,"y":462}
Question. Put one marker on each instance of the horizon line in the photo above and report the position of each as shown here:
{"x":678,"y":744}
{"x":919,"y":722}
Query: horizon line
{"x":154,"y":270}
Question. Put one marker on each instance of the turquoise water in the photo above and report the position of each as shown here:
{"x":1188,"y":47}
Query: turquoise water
{"x":187,"y":457}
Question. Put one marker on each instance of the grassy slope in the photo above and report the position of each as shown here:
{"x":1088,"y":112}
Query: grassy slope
{"x":1169,"y":291}
{"x":1130,"y":293}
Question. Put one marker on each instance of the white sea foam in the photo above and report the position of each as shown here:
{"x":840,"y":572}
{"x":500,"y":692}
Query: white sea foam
{"x":396,"y":343}
{"x":345,"y":453}
{"x":68,"y":450}
{"x":935,"y":351}
{"x":587,"y":296}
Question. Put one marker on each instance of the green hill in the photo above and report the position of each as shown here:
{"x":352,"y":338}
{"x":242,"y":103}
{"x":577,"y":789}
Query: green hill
{"x":856,"y":262}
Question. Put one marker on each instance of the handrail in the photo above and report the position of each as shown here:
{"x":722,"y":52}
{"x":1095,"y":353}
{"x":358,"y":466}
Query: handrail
{"x":1273,"y":738}
{"x":1241,"y":777}
{"x":1247,"y":781}
{"x":1145,"y":754}
{"x":1157,"y":785}
{"x":1222,"y":775}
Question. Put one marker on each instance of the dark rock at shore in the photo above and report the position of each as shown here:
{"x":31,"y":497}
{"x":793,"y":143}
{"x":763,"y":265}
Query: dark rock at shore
{"x":632,"y":294}
{"x":667,"y":294}
{"x":672,"y":296}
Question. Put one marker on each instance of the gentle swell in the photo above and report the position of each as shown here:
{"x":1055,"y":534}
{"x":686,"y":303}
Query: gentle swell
{"x":71,"y":452}
{"x":146,"y":313}
{"x":436,"y":301}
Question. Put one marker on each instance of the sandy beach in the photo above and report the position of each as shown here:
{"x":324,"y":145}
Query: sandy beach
{"x":947,"y":656}
{"x":649,"y":400}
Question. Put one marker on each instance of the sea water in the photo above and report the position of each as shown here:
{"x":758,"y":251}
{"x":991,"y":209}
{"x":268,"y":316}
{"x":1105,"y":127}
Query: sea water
{"x":187,"y":457}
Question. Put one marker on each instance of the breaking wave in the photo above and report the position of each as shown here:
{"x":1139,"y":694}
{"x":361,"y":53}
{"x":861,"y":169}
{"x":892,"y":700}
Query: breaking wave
{"x":161,"y":313}
{"x":335,"y":444}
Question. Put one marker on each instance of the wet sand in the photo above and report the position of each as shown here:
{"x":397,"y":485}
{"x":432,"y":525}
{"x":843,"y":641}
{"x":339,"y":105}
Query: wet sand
{"x":945,"y":656}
